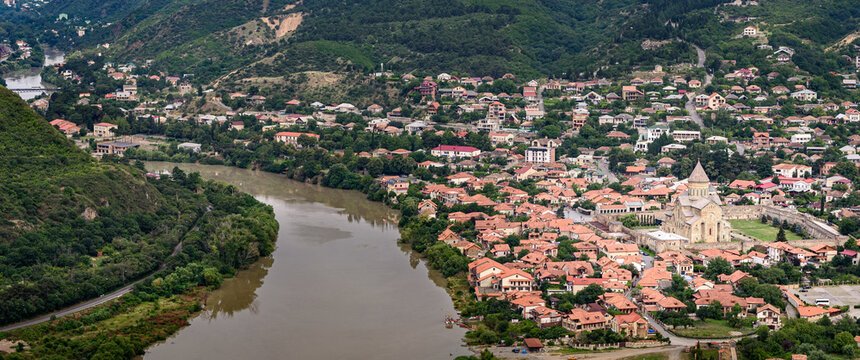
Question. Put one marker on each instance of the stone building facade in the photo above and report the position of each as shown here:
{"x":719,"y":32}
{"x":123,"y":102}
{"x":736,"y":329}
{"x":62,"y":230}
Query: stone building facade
{"x":698,"y":214}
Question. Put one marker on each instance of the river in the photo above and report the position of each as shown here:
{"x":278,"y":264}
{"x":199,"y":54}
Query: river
{"x":32,"y":78}
{"x":338,"y":286}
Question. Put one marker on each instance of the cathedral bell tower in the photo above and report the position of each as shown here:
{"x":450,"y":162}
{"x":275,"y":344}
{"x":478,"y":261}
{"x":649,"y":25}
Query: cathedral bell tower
{"x":698,"y":184}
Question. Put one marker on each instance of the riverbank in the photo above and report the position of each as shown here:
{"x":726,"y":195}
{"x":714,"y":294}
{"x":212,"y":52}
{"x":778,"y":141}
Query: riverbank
{"x":133,"y":321}
{"x":230,"y":231}
{"x":338,"y":272}
{"x":362,"y":320}
{"x":30,"y":76}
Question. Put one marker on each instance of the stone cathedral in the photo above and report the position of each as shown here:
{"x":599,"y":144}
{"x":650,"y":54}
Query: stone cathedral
{"x":698,"y":215}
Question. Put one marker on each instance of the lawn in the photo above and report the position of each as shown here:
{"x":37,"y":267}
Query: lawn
{"x":710,"y":328}
{"x":764,"y":232}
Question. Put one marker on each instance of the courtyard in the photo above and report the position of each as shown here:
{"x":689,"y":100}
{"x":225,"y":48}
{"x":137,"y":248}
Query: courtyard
{"x":711,"y":328}
{"x":763,"y":232}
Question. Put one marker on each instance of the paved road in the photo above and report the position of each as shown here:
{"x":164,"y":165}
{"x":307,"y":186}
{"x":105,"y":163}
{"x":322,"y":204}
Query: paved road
{"x":540,"y":98}
{"x":73,"y":309}
{"x":702,"y":56}
{"x":647,"y":262}
{"x":577,"y":216}
{"x":603,"y":165}
{"x":690,"y":106}
{"x":116,"y":294}
{"x":674,"y":340}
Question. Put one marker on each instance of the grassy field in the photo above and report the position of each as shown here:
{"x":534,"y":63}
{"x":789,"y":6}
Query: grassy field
{"x":764,"y":232}
{"x":710,"y":328}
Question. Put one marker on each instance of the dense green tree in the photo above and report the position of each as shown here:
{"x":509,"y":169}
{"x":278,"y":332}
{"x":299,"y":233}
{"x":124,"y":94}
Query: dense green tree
{"x":717,"y":266}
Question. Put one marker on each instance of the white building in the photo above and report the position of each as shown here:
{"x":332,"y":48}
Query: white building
{"x":804,"y":95}
{"x":455,"y":151}
{"x":801,"y":138}
{"x":670,"y":147}
{"x":791,"y":170}
{"x":686,"y":135}
{"x":104,"y":129}
{"x":540,"y":154}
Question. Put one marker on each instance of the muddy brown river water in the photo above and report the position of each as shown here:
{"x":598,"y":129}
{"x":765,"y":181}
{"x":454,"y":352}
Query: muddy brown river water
{"x":338,"y":286}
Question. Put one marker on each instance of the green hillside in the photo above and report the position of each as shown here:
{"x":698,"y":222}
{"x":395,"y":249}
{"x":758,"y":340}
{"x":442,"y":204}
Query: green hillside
{"x":569,"y":38}
{"x":92,"y":9}
{"x":529,"y":37}
{"x":45,"y":179}
{"x":73,"y":228}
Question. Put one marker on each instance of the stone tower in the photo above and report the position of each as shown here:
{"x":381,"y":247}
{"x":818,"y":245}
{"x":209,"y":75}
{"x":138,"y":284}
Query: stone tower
{"x":698,"y":184}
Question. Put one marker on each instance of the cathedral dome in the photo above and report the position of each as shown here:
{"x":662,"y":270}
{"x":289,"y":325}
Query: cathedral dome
{"x":698,"y":184}
{"x":698,"y":175}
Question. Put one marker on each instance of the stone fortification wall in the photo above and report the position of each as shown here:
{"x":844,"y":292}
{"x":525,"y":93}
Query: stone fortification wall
{"x":814,"y":227}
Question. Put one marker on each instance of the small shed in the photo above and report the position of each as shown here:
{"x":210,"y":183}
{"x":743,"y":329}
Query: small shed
{"x":533,"y":344}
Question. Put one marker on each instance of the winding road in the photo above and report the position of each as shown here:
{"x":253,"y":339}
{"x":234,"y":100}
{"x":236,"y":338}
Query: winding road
{"x":690,"y":106}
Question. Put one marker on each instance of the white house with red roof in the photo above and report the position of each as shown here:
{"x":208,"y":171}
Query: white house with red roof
{"x":292,"y":138}
{"x":454,"y":151}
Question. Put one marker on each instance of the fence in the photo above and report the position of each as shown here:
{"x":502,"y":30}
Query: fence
{"x":595,"y":346}
{"x":643,"y":344}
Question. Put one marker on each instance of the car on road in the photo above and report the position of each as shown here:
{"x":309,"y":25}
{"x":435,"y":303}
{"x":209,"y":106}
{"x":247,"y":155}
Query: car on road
{"x":804,"y":290}
{"x":516,"y":350}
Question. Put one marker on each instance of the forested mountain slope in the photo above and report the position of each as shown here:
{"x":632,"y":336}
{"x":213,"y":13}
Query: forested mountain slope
{"x":477,"y":36}
{"x":571,"y":38}
{"x":72,"y":228}
{"x":45,"y":179}
{"x":107,"y":10}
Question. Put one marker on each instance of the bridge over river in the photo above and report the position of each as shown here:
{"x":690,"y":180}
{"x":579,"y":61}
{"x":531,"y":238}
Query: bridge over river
{"x":36,"y":89}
